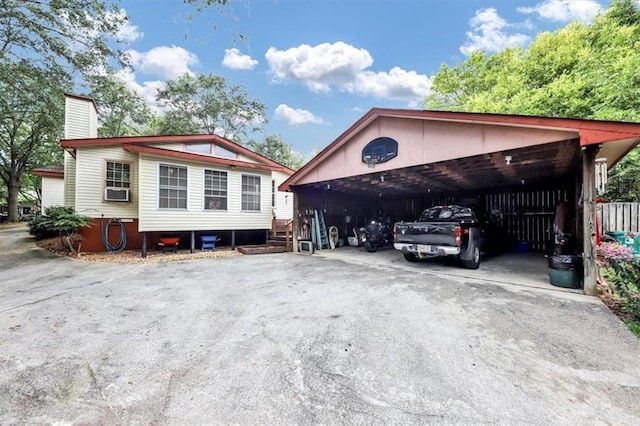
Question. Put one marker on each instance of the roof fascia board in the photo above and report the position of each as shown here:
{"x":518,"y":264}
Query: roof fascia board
{"x":48,"y":173}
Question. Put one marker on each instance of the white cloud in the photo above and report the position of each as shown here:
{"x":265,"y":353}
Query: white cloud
{"x":163,"y":61}
{"x":147,"y":89}
{"x":296,"y":116}
{"x":345,"y":68}
{"x":318,"y":67}
{"x":356,"y":109}
{"x":564,"y":10}
{"x":127,"y":32}
{"x":487,"y":33}
{"x":396,"y":84}
{"x":236,"y":61}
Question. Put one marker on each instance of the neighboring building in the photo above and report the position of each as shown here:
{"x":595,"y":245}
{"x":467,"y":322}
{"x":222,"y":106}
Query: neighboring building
{"x":184,"y":185}
{"x":52,"y":185}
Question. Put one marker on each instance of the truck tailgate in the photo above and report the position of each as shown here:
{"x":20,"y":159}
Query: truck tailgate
{"x":431,"y":233}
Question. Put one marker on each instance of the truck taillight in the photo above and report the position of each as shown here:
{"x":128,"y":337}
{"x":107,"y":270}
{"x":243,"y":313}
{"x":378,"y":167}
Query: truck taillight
{"x":458,"y":232}
{"x":395,"y":231}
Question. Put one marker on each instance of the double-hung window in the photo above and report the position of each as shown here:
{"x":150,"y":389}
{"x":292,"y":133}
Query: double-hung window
{"x":172,"y":188}
{"x":118,"y":175}
{"x":250,"y":193}
{"x":117,"y":181}
{"x":215,"y":190}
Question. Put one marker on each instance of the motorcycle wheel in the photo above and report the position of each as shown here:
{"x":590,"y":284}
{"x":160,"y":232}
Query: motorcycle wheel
{"x":371,"y":248}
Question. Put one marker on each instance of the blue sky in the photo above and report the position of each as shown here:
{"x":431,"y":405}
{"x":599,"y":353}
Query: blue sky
{"x":319,"y":65}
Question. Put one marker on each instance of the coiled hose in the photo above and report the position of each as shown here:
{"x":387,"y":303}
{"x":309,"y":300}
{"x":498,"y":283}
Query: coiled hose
{"x":122,"y":239}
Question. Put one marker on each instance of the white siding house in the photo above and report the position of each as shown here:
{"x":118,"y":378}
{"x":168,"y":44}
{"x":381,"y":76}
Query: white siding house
{"x":282,"y":201}
{"x":165,"y":184}
{"x":52,"y":192}
{"x":52,"y":186}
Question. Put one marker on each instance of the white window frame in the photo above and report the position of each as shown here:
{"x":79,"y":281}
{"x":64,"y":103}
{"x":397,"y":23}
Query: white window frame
{"x":242,"y":193}
{"x":189,"y":147}
{"x":274,"y":193}
{"x":204,"y":189}
{"x":129,"y":183}
{"x":181,"y":166}
{"x":223,"y":152}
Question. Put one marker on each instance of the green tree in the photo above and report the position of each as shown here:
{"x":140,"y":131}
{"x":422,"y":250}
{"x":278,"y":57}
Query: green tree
{"x":122,"y":112}
{"x":586,"y":71}
{"x":207,"y":104}
{"x":623,"y":184}
{"x":31,"y":112}
{"x":583,"y":71}
{"x":275,"y":149}
{"x":44,"y":47}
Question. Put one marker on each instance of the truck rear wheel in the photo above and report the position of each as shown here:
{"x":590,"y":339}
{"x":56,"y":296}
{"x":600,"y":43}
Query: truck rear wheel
{"x":409,"y":257}
{"x":474,"y":262}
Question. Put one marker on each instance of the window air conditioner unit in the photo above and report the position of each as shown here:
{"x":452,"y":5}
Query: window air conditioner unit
{"x":116,"y":194}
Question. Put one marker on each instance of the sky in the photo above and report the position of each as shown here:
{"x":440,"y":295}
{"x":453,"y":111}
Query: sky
{"x":319,"y":65}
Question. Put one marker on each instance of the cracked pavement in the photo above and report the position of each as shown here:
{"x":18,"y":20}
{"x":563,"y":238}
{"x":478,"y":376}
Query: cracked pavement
{"x":289,"y":338}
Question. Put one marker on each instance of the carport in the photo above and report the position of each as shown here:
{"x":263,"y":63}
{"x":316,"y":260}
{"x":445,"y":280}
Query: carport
{"x":396,"y":162}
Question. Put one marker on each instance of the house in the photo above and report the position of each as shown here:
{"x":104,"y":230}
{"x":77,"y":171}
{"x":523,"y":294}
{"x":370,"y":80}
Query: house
{"x":515,"y":170}
{"x":52,"y":185}
{"x":183,"y":185}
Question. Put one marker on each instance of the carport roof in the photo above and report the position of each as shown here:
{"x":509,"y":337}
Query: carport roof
{"x":542,"y":162}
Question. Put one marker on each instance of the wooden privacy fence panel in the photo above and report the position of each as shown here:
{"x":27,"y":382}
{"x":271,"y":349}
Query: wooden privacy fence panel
{"x":619,"y":217}
{"x":527,"y":216}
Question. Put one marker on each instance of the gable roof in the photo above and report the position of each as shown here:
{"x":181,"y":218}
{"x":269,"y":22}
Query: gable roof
{"x":139,"y":144}
{"x":588,"y":131}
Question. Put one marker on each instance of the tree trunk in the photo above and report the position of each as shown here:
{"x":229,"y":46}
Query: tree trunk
{"x":14,"y":190}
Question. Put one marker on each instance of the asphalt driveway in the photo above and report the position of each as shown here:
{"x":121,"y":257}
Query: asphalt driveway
{"x":291,"y":338}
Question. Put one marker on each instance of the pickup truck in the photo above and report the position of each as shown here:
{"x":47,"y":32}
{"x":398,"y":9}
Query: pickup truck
{"x":441,"y":231}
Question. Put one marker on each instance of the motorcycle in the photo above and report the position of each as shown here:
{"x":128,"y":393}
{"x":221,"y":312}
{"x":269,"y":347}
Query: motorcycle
{"x":375,"y":235}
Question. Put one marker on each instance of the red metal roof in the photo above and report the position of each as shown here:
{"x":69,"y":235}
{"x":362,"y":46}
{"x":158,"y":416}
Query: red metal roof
{"x":131,"y":141}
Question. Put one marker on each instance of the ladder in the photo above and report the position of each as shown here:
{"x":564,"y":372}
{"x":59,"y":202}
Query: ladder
{"x":322,"y":239}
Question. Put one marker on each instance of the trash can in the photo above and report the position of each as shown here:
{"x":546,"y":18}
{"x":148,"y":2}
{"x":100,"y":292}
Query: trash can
{"x":618,"y":235}
{"x":564,"y":271}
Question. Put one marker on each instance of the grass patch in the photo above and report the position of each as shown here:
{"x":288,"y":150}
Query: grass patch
{"x":634,"y":326}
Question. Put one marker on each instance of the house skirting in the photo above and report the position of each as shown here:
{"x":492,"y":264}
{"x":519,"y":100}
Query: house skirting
{"x":92,"y":237}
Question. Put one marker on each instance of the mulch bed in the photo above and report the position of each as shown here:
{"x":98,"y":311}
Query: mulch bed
{"x":134,"y":256}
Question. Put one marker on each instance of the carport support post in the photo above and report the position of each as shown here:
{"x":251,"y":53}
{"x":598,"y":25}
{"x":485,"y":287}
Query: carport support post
{"x":296,"y":222}
{"x":193,"y":241}
{"x":588,"y":215}
{"x":144,"y":244}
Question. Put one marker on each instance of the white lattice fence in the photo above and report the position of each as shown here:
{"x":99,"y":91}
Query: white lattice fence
{"x":619,"y":217}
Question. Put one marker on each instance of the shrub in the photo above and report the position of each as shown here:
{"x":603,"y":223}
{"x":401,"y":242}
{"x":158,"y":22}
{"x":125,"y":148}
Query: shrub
{"x":44,"y":226}
{"x":623,"y":275}
{"x":59,"y":221}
